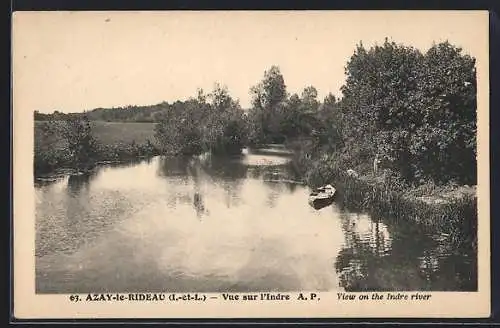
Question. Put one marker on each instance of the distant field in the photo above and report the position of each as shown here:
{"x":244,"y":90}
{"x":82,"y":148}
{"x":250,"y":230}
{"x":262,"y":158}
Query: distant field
{"x":109,"y":133}
{"x":121,"y":132}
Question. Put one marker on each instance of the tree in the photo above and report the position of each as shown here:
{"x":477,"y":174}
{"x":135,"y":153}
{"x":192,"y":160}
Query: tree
{"x":291,"y":125}
{"x":331,"y":130}
{"x":268,"y":99}
{"x":179,"y":131}
{"x":211,"y":122}
{"x":309,"y":98}
{"x":226,"y":123}
{"x":271,"y":91}
{"x":445,"y":141}
{"x":416,"y":111}
{"x":81,"y":145}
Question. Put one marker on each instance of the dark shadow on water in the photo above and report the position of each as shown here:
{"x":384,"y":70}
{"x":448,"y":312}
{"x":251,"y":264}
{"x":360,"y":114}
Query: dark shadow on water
{"x":199,"y":205}
{"x":173,"y":166}
{"x":126,"y":163}
{"x":217,"y":171}
{"x":48,"y":181}
{"x":224,"y":168}
{"x":404,"y":259}
{"x":263,"y":171}
{"x":226,"y":172}
{"x":132,"y":162}
{"x":79,"y":182}
{"x":79,"y":220}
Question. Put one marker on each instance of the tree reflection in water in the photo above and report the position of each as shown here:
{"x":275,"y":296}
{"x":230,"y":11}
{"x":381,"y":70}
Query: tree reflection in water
{"x":46,"y":182}
{"x":174,"y":167}
{"x":273,"y":175}
{"x":80,"y":223}
{"x":199,"y":206}
{"x":198,"y":172}
{"x":80,"y":182}
{"x":399,"y":258}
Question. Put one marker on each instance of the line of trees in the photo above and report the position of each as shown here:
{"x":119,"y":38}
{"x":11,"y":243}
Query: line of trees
{"x":146,"y":114}
{"x":416,"y":111}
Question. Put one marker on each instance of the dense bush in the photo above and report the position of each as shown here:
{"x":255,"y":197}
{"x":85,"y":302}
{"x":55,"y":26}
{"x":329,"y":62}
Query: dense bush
{"x":64,"y":143}
{"x":213,"y":122}
{"x":418,"y":111}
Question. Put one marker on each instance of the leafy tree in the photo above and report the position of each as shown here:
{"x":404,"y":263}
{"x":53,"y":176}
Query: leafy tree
{"x":46,"y":153}
{"x":267,"y":110}
{"x":211,"y":122}
{"x":179,"y":131}
{"x":291,"y":125}
{"x":309,"y":98}
{"x":331,"y":127}
{"x":226,"y":124}
{"x":444,"y":142}
{"x":271,"y":91}
{"x":416,"y":110}
{"x":81,"y":145}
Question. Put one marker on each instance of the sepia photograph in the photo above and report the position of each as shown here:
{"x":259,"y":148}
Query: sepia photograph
{"x":243,"y":152}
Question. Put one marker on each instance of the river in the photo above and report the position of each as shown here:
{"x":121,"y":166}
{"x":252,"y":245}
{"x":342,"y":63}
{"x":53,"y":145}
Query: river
{"x":223,"y":225}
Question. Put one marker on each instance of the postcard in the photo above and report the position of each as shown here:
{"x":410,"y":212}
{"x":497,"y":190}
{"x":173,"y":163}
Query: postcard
{"x":250,"y":164}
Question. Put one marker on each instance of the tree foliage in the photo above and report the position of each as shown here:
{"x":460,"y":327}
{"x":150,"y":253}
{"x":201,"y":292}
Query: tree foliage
{"x":212,"y":122}
{"x":266,"y":114}
{"x":66,"y":142}
{"x":277,"y":117}
{"x":418,"y":111}
{"x":81,"y":144}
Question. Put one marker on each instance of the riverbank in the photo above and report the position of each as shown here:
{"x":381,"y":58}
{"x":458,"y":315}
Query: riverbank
{"x":449,"y":211}
{"x":107,"y":154}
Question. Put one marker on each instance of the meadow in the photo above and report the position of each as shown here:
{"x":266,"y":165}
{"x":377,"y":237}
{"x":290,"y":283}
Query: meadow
{"x":112,"y":133}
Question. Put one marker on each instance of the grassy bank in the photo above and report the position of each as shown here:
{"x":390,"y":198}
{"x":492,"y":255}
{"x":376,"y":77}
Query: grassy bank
{"x":114,"y":141}
{"x":448,"y":210}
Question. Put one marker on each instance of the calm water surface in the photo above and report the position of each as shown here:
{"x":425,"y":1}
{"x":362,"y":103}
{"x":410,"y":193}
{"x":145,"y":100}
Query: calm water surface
{"x":213,"y":225}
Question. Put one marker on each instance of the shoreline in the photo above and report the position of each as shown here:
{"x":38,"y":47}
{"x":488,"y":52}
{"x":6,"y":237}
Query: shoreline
{"x":63,"y":171}
{"x":446,"y":211}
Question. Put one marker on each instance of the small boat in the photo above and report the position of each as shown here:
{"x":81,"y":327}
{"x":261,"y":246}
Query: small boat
{"x":322,"y":197}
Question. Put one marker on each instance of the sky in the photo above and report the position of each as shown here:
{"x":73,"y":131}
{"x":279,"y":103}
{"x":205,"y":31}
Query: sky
{"x":75,"y":61}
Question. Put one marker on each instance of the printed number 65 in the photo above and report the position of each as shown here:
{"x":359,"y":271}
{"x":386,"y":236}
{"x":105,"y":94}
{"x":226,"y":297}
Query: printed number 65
{"x":74,"y":298}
